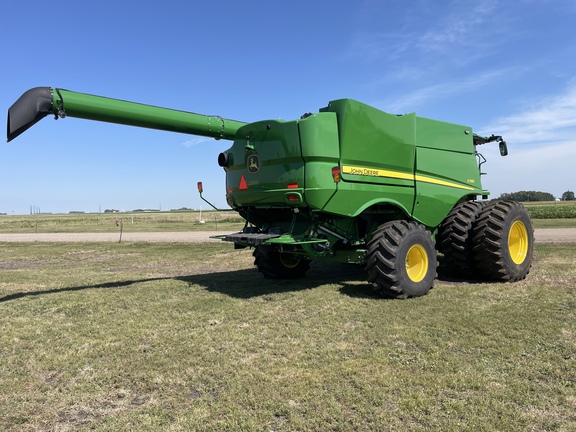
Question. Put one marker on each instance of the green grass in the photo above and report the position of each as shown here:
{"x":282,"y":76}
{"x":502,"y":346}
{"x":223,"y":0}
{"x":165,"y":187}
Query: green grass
{"x":187,"y":337}
{"x":554,"y":223}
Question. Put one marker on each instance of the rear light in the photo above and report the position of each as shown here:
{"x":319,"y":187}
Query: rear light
{"x":292,"y":185}
{"x":336,"y":174}
{"x":294,"y":199}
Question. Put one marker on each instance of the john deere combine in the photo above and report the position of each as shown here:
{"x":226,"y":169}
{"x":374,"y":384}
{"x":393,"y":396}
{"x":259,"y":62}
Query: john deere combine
{"x":350,"y":183}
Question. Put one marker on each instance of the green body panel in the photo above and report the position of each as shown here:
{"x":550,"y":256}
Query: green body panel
{"x":370,"y":135}
{"x":269,"y":159}
{"x":437,"y":193}
{"x":371,"y":140}
{"x":321,"y":153}
{"x":446,"y":169}
{"x":441,"y":135}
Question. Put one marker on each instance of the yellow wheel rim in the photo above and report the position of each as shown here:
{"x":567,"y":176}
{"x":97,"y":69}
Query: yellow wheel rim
{"x":289,"y":260}
{"x":518,"y":242}
{"x":416,"y":263}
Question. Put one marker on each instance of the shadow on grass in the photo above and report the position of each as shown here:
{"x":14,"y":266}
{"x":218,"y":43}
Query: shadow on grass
{"x":452,"y":277}
{"x":77,"y":288}
{"x":249,"y":283}
{"x":246,"y":283}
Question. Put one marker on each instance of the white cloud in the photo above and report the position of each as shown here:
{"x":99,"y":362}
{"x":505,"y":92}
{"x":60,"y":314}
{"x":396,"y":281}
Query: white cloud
{"x":412,"y":101}
{"x":542,"y":144}
{"x":553,"y":120}
{"x":459,"y":27}
{"x":453,"y":32}
{"x":196,"y":141}
{"x":547,"y":169}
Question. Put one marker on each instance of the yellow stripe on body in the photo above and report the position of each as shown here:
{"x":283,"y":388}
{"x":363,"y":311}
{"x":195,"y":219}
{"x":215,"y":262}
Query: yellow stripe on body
{"x":373,"y":172}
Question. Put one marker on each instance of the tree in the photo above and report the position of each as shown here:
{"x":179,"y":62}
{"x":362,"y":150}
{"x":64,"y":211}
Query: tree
{"x":568,"y":196}
{"x":528,"y":196}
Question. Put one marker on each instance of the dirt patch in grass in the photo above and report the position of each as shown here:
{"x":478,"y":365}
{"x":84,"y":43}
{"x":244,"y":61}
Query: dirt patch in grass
{"x":20,"y":264}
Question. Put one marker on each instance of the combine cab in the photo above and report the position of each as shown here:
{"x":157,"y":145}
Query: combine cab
{"x":350,"y":183}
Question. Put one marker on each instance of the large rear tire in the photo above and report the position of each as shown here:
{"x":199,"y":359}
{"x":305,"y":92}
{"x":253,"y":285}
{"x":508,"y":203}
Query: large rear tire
{"x":401,"y":260}
{"x":503,"y":241}
{"x":279,"y":265}
{"x":454,"y":238}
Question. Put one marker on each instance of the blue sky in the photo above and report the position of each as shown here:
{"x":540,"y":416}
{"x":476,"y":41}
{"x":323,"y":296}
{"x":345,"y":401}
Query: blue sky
{"x":499,"y":66}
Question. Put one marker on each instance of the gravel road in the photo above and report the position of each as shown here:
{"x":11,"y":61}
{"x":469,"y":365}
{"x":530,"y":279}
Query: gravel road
{"x":548,"y":235}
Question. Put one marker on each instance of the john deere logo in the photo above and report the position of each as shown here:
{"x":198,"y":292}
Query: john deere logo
{"x":253,"y":164}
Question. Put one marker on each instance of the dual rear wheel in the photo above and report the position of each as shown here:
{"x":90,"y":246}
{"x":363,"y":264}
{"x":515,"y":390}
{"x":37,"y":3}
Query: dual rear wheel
{"x":494,"y":241}
{"x":503,"y":242}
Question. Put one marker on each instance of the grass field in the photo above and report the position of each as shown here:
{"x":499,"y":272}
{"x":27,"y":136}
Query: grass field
{"x":180,"y":337}
{"x":110,"y":222}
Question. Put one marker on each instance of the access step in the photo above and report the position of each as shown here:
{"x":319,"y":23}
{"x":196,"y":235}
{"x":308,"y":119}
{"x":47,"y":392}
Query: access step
{"x":248,"y":238}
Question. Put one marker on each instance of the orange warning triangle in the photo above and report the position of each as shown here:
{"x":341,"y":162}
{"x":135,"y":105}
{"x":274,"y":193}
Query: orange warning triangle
{"x":243,"y":184}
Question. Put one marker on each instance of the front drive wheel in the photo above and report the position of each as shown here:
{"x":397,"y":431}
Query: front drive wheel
{"x":401,"y":260}
{"x":504,"y":241}
{"x":279,"y":265}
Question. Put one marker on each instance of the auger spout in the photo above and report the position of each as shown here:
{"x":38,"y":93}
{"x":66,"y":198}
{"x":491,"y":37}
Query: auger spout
{"x":39,"y":102}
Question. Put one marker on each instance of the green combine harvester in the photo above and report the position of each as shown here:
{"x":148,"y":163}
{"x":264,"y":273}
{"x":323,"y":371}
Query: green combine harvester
{"x":350,"y":183}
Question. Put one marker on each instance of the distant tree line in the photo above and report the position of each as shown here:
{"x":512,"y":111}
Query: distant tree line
{"x":528,"y":196}
{"x":535,"y":196}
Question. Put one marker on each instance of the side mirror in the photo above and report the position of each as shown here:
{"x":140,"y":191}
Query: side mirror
{"x":503,"y":148}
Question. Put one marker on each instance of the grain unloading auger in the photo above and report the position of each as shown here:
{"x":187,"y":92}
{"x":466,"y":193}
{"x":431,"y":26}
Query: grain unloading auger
{"x":39,"y":102}
{"x":350,"y":183}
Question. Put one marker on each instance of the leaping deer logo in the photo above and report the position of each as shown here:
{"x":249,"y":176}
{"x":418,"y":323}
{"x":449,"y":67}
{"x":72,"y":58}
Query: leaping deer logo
{"x":253,"y":164}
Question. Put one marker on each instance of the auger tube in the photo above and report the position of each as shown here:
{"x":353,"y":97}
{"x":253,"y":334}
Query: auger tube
{"x":39,"y":102}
